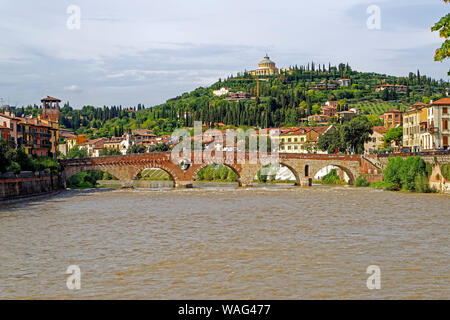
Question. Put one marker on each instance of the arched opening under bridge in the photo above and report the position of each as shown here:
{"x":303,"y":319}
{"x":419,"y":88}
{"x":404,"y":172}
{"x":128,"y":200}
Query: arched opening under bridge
{"x":279,"y":174}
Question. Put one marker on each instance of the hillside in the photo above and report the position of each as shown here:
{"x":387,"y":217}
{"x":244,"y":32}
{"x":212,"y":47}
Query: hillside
{"x":284,"y":99}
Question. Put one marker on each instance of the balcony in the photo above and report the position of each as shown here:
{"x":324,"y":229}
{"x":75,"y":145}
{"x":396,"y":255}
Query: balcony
{"x":433,"y":130}
{"x":423,"y":127}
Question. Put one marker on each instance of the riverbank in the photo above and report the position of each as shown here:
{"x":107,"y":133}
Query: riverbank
{"x":28,"y":184}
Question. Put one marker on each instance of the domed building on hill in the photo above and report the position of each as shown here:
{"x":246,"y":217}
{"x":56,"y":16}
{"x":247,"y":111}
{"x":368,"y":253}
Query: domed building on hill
{"x":265,"y":68}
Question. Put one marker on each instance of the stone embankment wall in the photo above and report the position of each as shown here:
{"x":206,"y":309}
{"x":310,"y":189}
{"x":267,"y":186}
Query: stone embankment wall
{"x":28,"y":184}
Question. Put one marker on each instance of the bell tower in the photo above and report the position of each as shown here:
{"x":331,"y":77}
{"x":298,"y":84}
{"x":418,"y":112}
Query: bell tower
{"x":50,"y":109}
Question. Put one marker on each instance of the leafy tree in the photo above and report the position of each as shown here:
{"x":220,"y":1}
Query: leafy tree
{"x":4,"y":160}
{"x":391,"y":174}
{"x":445,"y":170}
{"x":332,"y":178}
{"x":411,"y":174}
{"x":109,"y":152}
{"x":356,"y":133}
{"x":412,"y":168}
{"x":361,"y":181}
{"x":331,"y":141}
{"x":136,"y":148}
{"x":394,"y":134}
{"x":25,"y":162}
{"x":14,"y":167}
{"x":443,"y":26}
{"x":161,"y":147}
{"x":77,"y":153}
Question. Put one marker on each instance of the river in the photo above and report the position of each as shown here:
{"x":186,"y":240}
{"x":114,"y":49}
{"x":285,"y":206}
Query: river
{"x":256,"y":243}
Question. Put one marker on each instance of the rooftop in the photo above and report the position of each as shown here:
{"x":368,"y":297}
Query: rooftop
{"x":52,"y":99}
{"x":442,"y":102}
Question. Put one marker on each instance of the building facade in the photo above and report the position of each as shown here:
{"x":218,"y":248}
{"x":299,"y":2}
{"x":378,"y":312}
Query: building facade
{"x":412,"y":121}
{"x":435,"y":133}
{"x":266,"y":67}
{"x":301,"y":140}
{"x":392,"y":118}
{"x":376,"y":139}
{"x":36,"y":137}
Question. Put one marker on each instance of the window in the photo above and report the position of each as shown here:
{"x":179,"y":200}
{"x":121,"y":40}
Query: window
{"x":444,"y":110}
{"x":289,"y":139}
{"x":295,"y":139}
{"x":289,"y":148}
{"x":295,"y":147}
{"x":445,"y":124}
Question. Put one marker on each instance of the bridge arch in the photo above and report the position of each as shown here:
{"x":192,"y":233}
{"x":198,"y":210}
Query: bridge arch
{"x":281,"y":164}
{"x":232,"y":167}
{"x":69,"y":173}
{"x":350,"y":174}
{"x":173,"y":176}
{"x":91,"y":177}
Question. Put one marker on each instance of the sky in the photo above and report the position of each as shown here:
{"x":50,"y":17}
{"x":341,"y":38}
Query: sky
{"x":127,"y":52}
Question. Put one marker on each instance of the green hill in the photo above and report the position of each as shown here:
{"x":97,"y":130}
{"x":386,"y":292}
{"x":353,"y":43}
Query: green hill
{"x":284,"y":100}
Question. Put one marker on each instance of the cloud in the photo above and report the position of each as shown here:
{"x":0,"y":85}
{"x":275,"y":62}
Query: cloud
{"x":73,"y":88}
{"x":148,"y":51}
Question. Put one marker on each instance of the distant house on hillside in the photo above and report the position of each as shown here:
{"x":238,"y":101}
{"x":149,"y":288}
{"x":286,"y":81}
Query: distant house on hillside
{"x":221,"y":92}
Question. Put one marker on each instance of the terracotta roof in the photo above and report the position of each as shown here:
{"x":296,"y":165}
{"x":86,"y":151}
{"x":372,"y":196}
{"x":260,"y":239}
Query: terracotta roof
{"x":68,"y":135}
{"x":50,"y":99}
{"x":305,"y":130}
{"x":379,"y":129}
{"x":442,"y":102}
{"x":394,"y":111}
{"x":320,"y":130}
{"x":419,"y":104}
{"x":9,"y":117}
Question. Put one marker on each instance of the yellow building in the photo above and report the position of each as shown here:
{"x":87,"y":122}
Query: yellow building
{"x":76,"y":141}
{"x":113,"y":143}
{"x":412,"y":121}
{"x":265,"y":68}
{"x":301,"y":140}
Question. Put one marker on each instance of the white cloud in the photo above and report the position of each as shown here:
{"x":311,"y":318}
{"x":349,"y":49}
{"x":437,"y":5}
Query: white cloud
{"x":73,"y":88}
{"x":163,"y":48}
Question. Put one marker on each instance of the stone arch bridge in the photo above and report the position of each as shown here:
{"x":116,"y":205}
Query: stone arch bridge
{"x":303,"y":166}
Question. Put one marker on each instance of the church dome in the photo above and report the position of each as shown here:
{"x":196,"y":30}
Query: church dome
{"x":266,"y":60}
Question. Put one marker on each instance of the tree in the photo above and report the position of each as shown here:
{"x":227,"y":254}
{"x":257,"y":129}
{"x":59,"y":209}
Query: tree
{"x":4,"y":160}
{"x":161,"y":147}
{"x":394,"y":134}
{"x":356,"y":133}
{"x":136,"y":148}
{"x":331,"y":141}
{"x":77,"y":153}
{"x":109,"y":152}
{"x":443,"y":26}
{"x":391,"y":174}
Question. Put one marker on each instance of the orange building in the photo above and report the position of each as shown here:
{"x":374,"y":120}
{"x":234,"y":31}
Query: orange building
{"x":392,"y":118}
